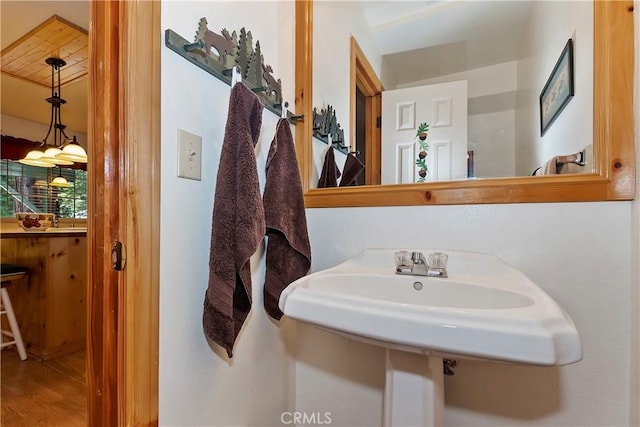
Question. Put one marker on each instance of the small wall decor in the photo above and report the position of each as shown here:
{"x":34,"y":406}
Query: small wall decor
{"x":558,"y":90}
{"x":326,"y":128}
{"x":219,"y":53}
{"x":421,"y":161}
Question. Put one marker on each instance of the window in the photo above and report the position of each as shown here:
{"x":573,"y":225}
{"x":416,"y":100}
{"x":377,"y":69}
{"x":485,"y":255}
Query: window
{"x":26,"y":189}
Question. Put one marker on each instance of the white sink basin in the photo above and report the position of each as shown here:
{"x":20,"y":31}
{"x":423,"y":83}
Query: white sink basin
{"x":484,"y":309}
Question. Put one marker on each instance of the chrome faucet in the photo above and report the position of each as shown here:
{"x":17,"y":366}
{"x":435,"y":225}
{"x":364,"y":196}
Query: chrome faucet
{"x":418,"y":265}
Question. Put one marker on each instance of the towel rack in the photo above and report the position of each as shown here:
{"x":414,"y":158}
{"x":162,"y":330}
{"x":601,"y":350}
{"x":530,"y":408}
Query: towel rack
{"x":576,"y":158}
{"x":235,"y":51}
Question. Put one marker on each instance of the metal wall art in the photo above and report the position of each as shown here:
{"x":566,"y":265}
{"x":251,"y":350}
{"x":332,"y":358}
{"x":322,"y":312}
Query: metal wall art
{"x":327,"y":129}
{"x":219,"y":53}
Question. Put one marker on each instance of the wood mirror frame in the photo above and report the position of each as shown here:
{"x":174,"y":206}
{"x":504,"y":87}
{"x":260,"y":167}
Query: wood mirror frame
{"x":613,"y":133}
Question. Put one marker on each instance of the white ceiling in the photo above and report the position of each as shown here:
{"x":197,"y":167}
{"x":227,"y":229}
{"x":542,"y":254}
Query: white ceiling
{"x":26,"y":100}
{"x":425,"y":39}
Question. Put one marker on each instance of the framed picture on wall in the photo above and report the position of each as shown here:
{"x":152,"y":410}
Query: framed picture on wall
{"x":558,"y":90}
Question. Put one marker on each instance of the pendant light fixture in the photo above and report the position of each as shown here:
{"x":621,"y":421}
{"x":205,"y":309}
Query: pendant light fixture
{"x":60,"y":181}
{"x":33,"y":159}
{"x":58,"y":153}
{"x":72,"y":152}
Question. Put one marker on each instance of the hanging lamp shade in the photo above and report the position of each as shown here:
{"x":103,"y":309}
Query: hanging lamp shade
{"x":33,"y":158}
{"x":50,"y":156}
{"x":60,"y":181}
{"x":73,"y":152}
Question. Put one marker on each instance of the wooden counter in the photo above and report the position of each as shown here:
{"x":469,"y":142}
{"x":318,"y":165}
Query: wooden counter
{"x":44,"y":234}
{"x":51,"y":304}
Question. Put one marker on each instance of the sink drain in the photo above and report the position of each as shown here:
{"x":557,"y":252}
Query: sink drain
{"x":417,"y":286}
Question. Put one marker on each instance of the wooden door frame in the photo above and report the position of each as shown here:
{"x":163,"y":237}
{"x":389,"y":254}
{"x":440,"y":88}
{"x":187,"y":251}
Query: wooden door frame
{"x":363,"y":77}
{"x":124,"y":205}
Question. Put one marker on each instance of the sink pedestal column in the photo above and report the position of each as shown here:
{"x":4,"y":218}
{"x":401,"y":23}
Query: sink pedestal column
{"x":414,"y":390}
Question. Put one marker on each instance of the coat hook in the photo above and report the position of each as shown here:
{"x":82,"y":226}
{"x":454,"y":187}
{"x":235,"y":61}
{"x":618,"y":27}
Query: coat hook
{"x":297,"y":118}
{"x":192,"y":46}
{"x":235,"y":73}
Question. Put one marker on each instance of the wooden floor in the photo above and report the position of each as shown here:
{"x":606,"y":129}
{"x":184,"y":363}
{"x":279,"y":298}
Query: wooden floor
{"x":43,"y":393}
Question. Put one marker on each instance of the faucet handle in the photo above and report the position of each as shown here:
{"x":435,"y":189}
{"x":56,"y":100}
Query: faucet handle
{"x":438,"y":260}
{"x":402,"y":259}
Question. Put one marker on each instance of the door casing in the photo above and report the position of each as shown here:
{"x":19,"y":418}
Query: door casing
{"x":124,"y":205}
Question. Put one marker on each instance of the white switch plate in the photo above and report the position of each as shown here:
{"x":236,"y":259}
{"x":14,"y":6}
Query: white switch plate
{"x":189,"y":155}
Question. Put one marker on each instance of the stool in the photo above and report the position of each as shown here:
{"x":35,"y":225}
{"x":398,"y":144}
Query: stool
{"x":9,"y":273}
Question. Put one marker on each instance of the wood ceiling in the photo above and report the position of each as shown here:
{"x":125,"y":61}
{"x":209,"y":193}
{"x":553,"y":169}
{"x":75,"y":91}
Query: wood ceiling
{"x":56,"y":37}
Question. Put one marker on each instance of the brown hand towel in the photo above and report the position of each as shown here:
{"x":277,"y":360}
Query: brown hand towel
{"x":352,"y":168}
{"x":330,"y":172}
{"x":288,"y":248}
{"x":238,"y":222}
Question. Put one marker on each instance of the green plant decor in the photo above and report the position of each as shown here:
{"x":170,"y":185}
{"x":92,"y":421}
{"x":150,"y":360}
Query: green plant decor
{"x":421,"y":161}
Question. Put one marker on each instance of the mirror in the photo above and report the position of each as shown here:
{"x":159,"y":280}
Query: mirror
{"x":614,"y":168}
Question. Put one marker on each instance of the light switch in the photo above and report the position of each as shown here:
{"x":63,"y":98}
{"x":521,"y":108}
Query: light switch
{"x":189,"y":155}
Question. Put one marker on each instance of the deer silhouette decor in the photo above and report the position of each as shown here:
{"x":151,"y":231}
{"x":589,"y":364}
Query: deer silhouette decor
{"x":222,"y":43}
{"x":274,"y":86}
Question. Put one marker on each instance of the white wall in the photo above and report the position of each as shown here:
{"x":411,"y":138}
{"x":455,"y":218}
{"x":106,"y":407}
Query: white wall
{"x":491,"y":137}
{"x":483,"y":81}
{"x":198,"y":385}
{"x":578,"y":252}
{"x":551,"y":25}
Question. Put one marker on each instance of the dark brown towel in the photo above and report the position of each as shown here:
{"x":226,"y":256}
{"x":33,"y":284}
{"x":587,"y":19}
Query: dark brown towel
{"x":238,"y":222}
{"x":330,"y":172}
{"x":288,"y":248}
{"x":352,"y":168}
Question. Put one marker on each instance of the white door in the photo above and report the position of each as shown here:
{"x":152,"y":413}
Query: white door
{"x":444,"y":108}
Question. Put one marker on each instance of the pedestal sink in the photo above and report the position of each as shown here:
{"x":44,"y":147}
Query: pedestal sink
{"x":485,"y":309}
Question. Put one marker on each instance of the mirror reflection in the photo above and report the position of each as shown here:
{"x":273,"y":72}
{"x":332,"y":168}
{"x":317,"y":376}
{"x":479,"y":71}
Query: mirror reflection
{"x":494,"y":83}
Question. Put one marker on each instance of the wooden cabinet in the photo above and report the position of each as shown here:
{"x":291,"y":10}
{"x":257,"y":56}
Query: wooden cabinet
{"x":51,"y":304}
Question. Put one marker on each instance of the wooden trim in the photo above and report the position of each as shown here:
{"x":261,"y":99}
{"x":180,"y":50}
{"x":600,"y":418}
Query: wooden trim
{"x":369,"y":125}
{"x":103,"y":206}
{"x":303,"y":88}
{"x":140,"y":231}
{"x":613,"y":141}
{"x":366,"y":77}
{"x":613,"y":81}
{"x":353,"y":84}
{"x":124,"y":205}
{"x":363,"y":77}
{"x":587,"y":187}
{"x":373,"y":156}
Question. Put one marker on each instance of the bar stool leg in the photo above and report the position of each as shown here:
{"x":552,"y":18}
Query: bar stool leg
{"x":13,"y":323}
